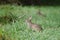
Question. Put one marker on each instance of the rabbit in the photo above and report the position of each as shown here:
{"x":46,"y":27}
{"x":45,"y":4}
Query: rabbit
{"x":33,"y":26}
{"x":39,"y":13}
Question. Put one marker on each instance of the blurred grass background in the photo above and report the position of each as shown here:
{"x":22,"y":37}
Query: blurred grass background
{"x":19,"y":30}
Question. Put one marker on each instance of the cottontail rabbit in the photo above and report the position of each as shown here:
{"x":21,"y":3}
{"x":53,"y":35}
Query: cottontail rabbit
{"x":39,"y":13}
{"x":33,"y":26}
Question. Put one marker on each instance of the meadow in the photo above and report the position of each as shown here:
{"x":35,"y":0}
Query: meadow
{"x":19,"y":30}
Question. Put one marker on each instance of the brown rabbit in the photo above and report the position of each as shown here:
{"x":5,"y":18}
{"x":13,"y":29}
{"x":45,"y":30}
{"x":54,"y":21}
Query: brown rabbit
{"x":39,"y":13}
{"x":32,"y":25}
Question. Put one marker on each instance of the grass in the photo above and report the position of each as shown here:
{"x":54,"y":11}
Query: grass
{"x":19,"y":30}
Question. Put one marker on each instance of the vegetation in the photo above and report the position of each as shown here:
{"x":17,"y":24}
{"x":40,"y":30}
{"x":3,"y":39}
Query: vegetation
{"x":31,"y":2}
{"x":19,"y":30}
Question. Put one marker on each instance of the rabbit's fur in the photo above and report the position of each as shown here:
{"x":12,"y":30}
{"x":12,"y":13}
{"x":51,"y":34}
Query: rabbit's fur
{"x":32,"y":25}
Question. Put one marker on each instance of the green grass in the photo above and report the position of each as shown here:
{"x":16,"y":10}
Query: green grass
{"x":19,"y":30}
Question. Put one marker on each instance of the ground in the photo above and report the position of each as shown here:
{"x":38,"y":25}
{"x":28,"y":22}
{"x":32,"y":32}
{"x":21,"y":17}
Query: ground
{"x":19,"y":30}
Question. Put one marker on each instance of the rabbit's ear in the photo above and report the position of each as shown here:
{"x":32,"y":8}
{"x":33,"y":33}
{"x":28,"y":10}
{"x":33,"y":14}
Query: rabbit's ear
{"x":30,"y":17}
